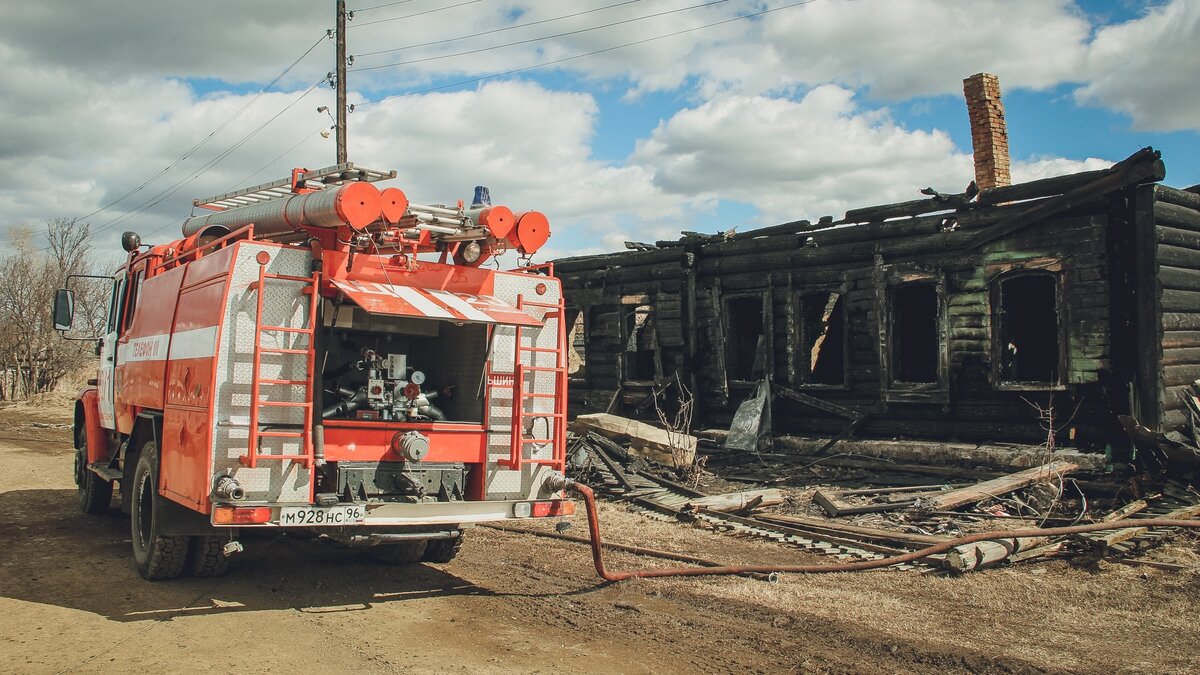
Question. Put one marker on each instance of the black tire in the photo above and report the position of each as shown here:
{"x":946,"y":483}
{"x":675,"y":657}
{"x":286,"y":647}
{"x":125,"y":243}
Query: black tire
{"x":156,"y":556}
{"x":442,"y":550}
{"x":207,"y":557}
{"x":401,"y":553}
{"x":95,"y":493}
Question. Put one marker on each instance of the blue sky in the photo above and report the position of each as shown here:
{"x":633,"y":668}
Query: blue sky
{"x":804,"y":111}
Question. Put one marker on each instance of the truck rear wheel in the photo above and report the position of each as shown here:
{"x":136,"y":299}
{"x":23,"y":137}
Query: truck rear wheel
{"x":401,"y":553}
{"x":442,"y":550}
{"x":208,"y":557}
{"x":95,"y":493}
{"x":157,"y":557}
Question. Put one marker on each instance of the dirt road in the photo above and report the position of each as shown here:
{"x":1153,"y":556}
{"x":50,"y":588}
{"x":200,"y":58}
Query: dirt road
{"x":71,"y":601}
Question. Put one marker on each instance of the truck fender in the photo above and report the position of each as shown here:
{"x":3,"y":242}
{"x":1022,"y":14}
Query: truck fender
{"x":173,"y":519}
{"x":87,"y":417}
{"x":146,"y":426}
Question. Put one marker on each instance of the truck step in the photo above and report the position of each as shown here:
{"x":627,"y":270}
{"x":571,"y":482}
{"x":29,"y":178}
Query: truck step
{"x":105,"y":471}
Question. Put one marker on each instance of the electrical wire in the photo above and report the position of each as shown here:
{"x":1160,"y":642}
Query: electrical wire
{"x":161,"y":196}
{"x":210,"y":136}
{"x":409,"y":16}
{"x":389,"y":4}
{"x":514,"y":71}
{"x":540,"y":39}
{"x":497,"y":30}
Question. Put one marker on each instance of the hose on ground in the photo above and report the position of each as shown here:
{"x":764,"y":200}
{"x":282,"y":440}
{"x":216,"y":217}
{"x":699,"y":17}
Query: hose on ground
{"x":589,"y":499}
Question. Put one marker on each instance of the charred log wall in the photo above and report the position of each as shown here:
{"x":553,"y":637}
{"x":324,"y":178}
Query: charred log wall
{"x":1175,"y":358}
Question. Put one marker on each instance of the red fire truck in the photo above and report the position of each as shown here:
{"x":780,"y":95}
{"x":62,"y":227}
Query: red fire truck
{"x":318,"y":354}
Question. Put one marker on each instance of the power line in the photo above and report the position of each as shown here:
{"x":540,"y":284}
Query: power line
{"x":543,"y":38}
{"x":409,"y":16}
{"x":163,"y":195}
{"x":209,"y":137}
{"x":389,"y":4}
{"x":499,"y":30}
{"x":587,"y":54}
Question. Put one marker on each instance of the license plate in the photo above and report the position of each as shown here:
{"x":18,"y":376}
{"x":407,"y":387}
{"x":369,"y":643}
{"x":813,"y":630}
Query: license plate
{"x":315,"y":515}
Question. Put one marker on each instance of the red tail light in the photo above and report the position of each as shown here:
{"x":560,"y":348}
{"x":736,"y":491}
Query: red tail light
{"x":554,"y":508}
{"x":241,"y":515}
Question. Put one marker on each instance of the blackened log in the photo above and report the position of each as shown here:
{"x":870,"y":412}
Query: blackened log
{"x":1144,"y":166}
{"x":1182,"y":356}
{"x":877,"y":231}
{"x":1177,"y":216}
{"x":1045,"y":187}
{"x":1178,"y":237}
{"x":623,"y":260}
{"x":1177,"y":256}
{"x":1181,"y":339}
{"x":1177,"y":197}
{"x":874,"y":214}
{"x":1180,"y":278}
{"x":784,"y":228}
{"x":1180,"y":301}
{"x":1174,"y":376}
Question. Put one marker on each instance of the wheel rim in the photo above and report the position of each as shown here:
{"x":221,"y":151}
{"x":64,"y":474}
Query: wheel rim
{"x":145,"y":508}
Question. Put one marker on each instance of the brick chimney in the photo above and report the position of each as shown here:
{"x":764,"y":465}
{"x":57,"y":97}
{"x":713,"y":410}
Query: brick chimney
{"x":989,"y":135}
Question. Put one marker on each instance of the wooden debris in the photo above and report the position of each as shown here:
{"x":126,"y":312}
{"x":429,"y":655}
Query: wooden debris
{"x":999,"y":486}
{"x":894,"y":499}
{"x":892,"y":537}
{"x":987,"y":553}
{"x":734,"y":502}
{"x":644,"y":439}
{"x":1105,"y":541}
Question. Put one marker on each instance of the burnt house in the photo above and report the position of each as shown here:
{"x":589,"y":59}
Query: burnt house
{"x":955,"y":316}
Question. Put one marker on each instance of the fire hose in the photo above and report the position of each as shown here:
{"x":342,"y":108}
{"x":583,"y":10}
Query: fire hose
{"x":589,"y":499}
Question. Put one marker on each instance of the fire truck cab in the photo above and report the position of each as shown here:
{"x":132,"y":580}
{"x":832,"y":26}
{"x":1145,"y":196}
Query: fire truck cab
{"x":296,"y":362}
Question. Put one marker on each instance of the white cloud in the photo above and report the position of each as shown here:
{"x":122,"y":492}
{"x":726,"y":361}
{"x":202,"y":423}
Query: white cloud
{"x":799,"y":159}
{"x":1047,"y":167}
{"x":1149,"y":68}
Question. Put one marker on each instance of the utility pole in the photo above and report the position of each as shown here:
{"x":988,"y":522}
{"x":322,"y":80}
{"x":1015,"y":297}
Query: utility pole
{"x":341,"y":81}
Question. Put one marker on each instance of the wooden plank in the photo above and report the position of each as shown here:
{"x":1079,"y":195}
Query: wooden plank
{"x":1178,"y":197}
{"x":1124,"y":535}
{"x":743,"y":500}
{"x":1181,"y":301}
{"x":817,"y":525}
{"x":999,"y":486}
{"x":644,"y":439}
{"x":818,"y":403}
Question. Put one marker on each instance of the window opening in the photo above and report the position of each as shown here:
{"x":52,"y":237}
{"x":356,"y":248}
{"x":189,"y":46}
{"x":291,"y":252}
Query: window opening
{"x":577,"y":347}
{"x":1029,"y":329}
{"x":115,"y":303}
{"x":745,"y":351}
{"x":822,"y":338}
{"x":914,"y":333}
{"x":640,"y":342}
{"x":135,"y":287}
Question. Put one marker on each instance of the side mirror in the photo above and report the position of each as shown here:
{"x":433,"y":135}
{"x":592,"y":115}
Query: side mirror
{"x":64,"y":309}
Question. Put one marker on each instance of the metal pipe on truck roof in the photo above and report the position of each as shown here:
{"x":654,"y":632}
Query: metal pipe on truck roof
{"x":357,"y":204}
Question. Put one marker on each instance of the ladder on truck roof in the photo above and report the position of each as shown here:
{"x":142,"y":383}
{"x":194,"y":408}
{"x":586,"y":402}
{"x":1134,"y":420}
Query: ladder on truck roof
{"x":558,"y":427}
{"x":306,"y":456}
{"x":300,"y":180}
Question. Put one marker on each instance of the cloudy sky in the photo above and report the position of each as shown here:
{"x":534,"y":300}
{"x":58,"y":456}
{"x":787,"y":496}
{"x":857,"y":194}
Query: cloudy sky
{"x":619,"y":119}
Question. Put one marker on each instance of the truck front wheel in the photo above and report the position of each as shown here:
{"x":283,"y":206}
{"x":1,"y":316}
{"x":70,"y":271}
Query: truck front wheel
{"x":157,"y":557}
{"x":95,"y":493}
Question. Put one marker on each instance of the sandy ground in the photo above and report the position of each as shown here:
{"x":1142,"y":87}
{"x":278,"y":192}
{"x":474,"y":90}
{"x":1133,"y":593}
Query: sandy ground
{"x":71,"y":601}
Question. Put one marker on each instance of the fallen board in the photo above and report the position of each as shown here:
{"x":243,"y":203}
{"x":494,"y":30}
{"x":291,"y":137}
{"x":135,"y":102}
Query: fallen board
{"x":644,"y":439}
{"x":998,"y":486}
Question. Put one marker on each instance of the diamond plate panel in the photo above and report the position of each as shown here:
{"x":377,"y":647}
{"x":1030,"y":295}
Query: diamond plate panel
{"x":283,"y":305}
{"x":524,"y":484}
